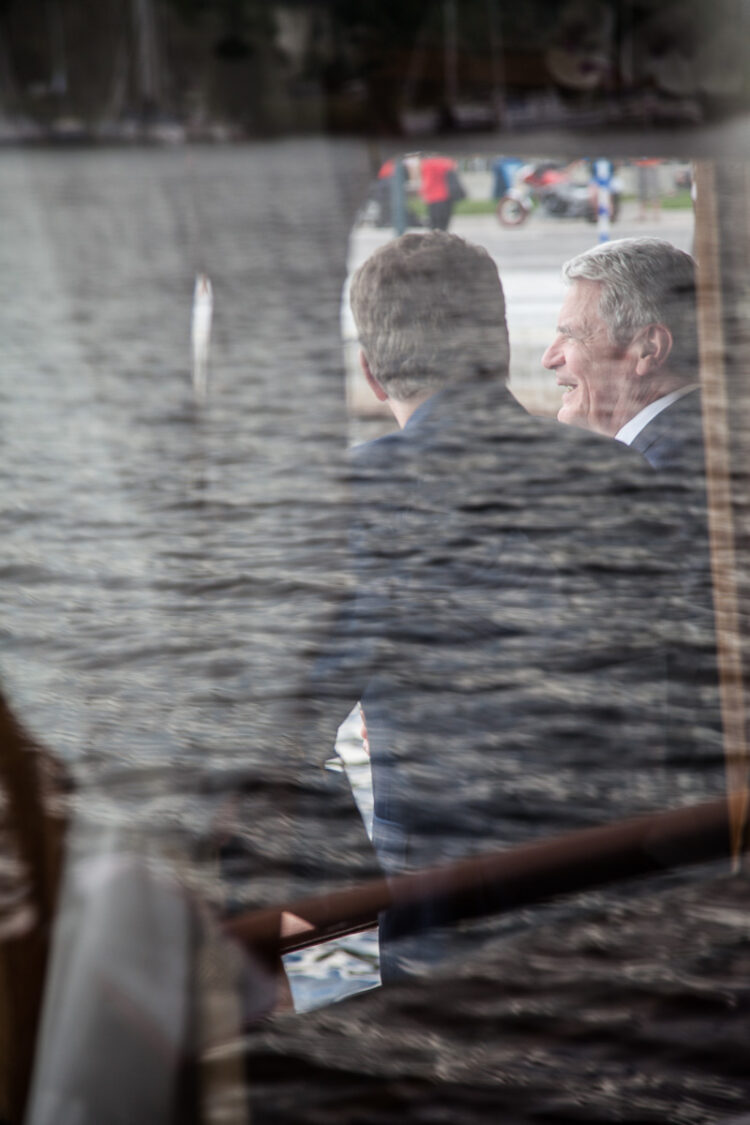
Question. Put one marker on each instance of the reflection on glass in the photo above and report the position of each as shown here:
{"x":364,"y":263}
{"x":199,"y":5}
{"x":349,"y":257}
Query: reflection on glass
{"x":199,"y":584}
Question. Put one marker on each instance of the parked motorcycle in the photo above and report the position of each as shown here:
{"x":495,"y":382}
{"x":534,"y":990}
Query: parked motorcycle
{"x":551,"y":187}
{"x":515,"y":206}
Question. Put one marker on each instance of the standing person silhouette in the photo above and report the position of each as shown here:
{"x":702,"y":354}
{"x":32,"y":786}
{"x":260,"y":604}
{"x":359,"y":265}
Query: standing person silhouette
{"x":437,"y":174}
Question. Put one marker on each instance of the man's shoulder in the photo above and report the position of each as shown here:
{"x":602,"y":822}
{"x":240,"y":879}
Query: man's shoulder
{"x":586,"y":455}
{"x":682,"y":417}
{"x":675,"y":436}
{"x":499,"y":436}
{"x":376,"y":452}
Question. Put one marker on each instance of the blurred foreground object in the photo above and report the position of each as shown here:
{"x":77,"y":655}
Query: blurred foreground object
{"x":723,"y":333}
{"x":32,"y":826}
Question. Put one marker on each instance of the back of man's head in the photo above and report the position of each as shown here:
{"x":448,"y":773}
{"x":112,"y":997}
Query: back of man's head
{"x":430,"y":310}
{"x":644,"y":281}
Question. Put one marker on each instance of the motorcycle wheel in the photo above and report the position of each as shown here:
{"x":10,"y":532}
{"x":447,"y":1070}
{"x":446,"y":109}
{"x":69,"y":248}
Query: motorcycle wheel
{"x":511,"y":212}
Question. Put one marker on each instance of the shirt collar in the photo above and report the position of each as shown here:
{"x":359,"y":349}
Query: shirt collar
{"x":629,"y":432}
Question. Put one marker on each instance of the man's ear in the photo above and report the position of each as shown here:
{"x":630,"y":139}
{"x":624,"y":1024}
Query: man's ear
{"x":375,"y":386}
{"x":654,"y":347}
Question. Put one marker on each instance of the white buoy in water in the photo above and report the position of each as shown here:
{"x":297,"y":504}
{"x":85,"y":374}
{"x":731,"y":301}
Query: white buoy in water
{"x":200,"y":332}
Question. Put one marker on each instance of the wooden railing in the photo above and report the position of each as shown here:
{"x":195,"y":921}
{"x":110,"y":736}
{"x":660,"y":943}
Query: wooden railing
{"x":523,"y":876}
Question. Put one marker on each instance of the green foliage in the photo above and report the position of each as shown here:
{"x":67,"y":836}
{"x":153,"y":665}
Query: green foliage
{"x":680,"y":200}
{"x":476,"y":207}
{"x":465,"y":207}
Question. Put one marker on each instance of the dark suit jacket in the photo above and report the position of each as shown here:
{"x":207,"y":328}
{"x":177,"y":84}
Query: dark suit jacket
{"x":673,"y":440}
{"x":503,"y":635}
{"x":673,"y":444}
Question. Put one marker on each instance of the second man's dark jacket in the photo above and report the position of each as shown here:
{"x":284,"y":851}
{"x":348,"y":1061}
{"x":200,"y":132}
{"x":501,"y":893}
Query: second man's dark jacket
{"x":507,"y":636}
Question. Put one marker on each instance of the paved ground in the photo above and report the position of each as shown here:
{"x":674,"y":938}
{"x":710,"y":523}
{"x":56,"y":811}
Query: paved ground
{"x":529,"y":260}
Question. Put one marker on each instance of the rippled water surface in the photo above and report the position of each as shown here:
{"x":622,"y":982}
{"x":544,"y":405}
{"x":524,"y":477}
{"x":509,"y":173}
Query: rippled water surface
{"x":168,"y":571}
{"x":160,"y":558}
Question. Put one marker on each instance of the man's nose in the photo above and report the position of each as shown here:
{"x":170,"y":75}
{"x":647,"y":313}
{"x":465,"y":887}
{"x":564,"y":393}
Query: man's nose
{"x":553,"y":356}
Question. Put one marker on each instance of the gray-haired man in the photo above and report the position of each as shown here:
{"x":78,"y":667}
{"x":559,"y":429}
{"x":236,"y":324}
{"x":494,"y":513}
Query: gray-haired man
{"x":626,"y":348}
{"x":626,"y":352}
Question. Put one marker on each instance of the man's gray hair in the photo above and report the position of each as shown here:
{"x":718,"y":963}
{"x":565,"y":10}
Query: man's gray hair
{"x":644,"y":281}
{"x":430,"y":310}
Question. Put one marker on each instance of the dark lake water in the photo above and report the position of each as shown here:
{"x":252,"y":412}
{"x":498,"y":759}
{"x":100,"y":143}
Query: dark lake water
{"x":143,"y":534}
{"x":168,"y":570}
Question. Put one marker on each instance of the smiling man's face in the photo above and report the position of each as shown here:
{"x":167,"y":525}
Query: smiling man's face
{"x":600,"y":379}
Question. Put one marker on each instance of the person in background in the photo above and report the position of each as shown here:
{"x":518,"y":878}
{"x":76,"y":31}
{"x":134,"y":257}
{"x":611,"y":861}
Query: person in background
{"x":382,"y":192}
{"x":438,"y":175}
{"x":649,"y":189}
{"x":500,"y":179}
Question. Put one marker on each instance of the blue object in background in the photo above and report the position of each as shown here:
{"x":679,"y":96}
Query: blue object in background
{"x":603,"y":170}
{"x":504,"y":171}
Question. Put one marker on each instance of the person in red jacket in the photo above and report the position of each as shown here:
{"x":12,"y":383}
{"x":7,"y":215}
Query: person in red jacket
{"x":435,"y":189}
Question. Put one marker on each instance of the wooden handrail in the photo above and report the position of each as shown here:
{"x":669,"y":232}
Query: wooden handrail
{"x":523,"y":876}
{"x":725,"y":564}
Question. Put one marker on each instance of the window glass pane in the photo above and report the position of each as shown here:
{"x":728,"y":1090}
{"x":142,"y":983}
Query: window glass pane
{"x":332,"y":614}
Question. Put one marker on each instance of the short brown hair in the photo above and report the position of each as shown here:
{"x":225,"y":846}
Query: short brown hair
{"x":430,"y":310}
